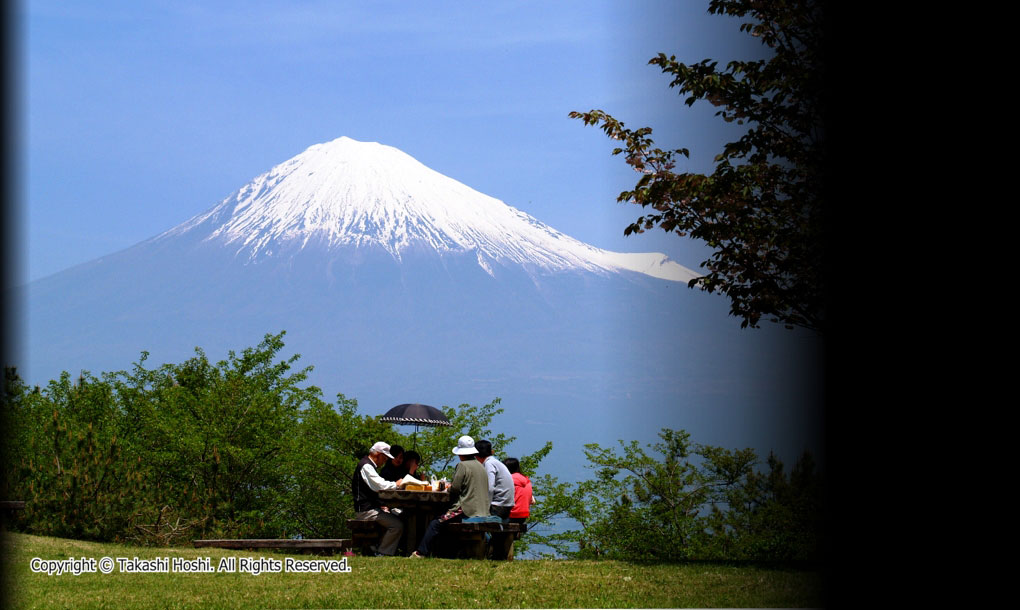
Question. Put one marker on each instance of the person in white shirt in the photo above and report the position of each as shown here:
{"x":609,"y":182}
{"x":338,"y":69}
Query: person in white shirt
{"x":365,"y":486}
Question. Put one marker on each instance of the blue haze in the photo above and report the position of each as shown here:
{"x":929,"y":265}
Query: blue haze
{"x":138,"y":116}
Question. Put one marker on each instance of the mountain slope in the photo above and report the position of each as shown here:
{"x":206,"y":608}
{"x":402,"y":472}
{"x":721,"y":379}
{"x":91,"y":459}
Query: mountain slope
{"x":401,"y":285}
{"x":347,"y":193}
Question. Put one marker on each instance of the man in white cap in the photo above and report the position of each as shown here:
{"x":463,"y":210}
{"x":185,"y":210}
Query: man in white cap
{"x":469,"y":489}
{"x":365,"y":486}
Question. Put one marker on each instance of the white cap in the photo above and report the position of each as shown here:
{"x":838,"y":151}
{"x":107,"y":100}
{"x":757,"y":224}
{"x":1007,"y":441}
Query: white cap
{"x":465,"y":446}
{"x":382,"y":448}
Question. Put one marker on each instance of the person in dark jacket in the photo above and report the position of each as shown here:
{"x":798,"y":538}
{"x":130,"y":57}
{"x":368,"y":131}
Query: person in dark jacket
{"x":412,"y":465}
{"x":365,"y":486}
{"x":395,"y":468}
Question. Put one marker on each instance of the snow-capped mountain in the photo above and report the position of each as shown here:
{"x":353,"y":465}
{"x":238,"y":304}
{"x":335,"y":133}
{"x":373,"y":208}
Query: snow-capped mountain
{"x":401,"y":285}
{"x":363,"y":194}
{"x":353,"y":248}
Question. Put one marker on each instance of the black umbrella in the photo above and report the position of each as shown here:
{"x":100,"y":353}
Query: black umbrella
{"x":414,"y":414}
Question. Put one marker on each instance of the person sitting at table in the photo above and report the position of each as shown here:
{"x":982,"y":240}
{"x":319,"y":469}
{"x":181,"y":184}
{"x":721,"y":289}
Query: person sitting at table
{"x":501,"y":484}
{"x":394,"y":469}
{"x":412,"y":465}
{"x":523,"y":496}
{"x":365,"y":486}
{"x":469,"y":490}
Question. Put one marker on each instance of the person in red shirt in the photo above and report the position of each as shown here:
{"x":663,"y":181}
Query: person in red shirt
{"x":523,"y":498}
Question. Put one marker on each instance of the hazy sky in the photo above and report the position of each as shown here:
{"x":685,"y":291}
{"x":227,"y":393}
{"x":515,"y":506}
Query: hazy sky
{"x":135,"y":116}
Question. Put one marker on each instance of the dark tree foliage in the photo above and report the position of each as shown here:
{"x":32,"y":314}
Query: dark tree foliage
{"x":235,"y":449}
{"x":240,"y":449}
{"x":88,"y":489}
{"x":686,"y":502}
{"x":328,"y":444}
{"x":435,"y":444}
{"x":154,"y":454}
{"x":765,"y":515}
{"x":68,"y":462}
{"x":761,"y":209}
{"x":11,"y":406}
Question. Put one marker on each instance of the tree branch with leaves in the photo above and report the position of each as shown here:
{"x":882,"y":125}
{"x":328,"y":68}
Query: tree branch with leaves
{"x":761,"y":208}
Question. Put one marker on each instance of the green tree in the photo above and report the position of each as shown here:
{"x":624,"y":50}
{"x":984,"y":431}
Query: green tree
{"x":764,"y":515}
{"x":761,"y":209}
{"x":87,"y":489}
{"x":69,"y":463}
{"x":20,"y":421}
{"x":640,"y":505}
{"x":435,"y":443}
{"x":203,"y":443}
{"x":327,"y":447}
{"x":237,"y":448}
{"x":216,"y":435}
{"x":554,"y":501}
{"x":685,"y":501}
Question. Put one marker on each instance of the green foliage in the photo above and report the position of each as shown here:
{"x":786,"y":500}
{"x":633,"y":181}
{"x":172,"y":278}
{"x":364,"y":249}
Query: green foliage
{"x":768,"y":516}
{"x":215,"y":434}
{"x":236,"y":448}
{"x":435,"y":444}
{"x":530,"y":462}
{"x":157,"y":454}
{"x":553,"y":500}
{"x":75,"y":476}
{"x":239,"y":449}
{"x":684,"y":502}
{"x":651,"y":511}
{"x":760,"y":210}
{"x":328,"y":445}
{"x":18,"y":425}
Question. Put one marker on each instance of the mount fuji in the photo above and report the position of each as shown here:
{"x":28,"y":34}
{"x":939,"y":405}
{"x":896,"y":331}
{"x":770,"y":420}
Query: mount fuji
{"x":399,"y":284}
{"x":349,"y":195}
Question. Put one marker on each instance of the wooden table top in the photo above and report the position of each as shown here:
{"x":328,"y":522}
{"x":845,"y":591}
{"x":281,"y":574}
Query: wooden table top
{"x":407,"y":497}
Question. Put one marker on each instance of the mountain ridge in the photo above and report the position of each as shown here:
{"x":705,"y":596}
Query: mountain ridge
{"x":615,"y":351}
{"x":346,"y":193}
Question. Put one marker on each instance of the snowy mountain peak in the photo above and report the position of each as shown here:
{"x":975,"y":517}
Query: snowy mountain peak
{"x":347,"y":193}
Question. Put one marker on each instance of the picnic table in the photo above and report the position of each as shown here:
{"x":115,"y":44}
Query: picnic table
{"x":420,"y":508}
{"x":477,"y":540}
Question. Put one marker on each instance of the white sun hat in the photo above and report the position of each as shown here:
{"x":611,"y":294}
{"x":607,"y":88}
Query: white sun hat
{"x":465,"y":446}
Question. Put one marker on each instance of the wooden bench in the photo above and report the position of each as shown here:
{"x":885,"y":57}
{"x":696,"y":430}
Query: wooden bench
{"x":501,"y":538}
{"x":8,"y":508}
{"x":313,"y":545}
{"x":365,"y":534}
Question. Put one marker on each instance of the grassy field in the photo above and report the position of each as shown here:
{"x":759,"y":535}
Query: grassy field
{"x":382,"y":582}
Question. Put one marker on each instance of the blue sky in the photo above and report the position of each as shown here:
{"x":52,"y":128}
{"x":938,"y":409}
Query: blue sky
{"x":135,"y":116}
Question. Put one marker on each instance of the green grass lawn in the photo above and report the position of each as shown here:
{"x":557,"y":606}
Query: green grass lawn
{"x":384,"y":582}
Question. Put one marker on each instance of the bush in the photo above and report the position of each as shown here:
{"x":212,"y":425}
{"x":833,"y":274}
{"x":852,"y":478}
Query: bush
{"x":235,"y":449}
{"x":687,"y":502}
